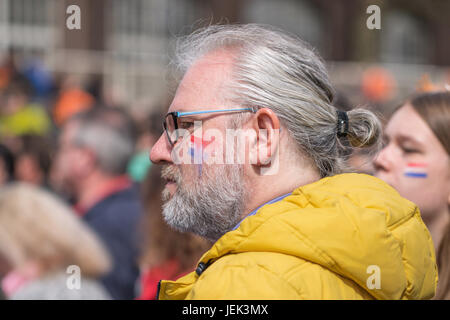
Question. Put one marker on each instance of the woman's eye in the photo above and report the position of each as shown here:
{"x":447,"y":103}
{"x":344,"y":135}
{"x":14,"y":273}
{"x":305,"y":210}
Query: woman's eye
{"x":409,"y":150}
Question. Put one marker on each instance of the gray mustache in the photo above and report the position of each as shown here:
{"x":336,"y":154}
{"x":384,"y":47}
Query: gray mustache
{"x":170,"y":173}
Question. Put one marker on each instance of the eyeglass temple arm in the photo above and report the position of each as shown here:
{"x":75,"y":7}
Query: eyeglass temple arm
{"x":180,"y":114}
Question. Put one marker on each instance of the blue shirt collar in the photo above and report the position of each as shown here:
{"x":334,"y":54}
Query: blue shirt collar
{"x":256,"y":210}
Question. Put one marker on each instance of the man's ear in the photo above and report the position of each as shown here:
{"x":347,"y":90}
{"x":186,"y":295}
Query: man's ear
{"x":86,"y":161}
{"x":264,"y":148}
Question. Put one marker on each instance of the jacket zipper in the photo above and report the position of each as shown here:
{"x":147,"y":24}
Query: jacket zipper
{"x":158,"y":289}
{"x":200,"y":268}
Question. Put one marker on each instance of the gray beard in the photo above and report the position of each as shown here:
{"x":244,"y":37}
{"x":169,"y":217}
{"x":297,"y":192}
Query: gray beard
{"x":211,"y":207}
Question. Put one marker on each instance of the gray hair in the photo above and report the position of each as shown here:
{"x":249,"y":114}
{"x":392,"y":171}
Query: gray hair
{"x":279,"y":71}
{"x":109,"y":133}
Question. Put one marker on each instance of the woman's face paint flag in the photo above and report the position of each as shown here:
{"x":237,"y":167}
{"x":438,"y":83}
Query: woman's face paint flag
{"x":415,"y":170}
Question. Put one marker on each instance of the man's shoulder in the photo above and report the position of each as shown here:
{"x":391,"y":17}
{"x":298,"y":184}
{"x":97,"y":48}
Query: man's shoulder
{"x":127,"y":197}
{"x":124,"y":204}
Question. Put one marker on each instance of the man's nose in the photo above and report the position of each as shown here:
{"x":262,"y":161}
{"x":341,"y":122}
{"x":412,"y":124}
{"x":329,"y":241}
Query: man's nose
{"x":161,"y":150}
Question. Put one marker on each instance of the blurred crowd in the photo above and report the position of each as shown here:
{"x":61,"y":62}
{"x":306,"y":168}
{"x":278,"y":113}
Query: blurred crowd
{"x":77,"y":188}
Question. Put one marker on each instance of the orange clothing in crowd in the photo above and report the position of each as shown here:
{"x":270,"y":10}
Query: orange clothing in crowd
{"x":70,"y":102}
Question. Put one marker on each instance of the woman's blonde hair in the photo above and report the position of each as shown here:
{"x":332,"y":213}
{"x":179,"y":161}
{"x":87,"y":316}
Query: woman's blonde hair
{"x":37,"y":226}
{"x":443,"y":258}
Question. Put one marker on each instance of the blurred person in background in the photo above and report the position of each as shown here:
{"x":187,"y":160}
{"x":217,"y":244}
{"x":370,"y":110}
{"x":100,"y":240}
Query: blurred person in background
{"x":10,"y":72}
{"x":90,"y":166}
{"x":40,"y":237}
{"x":149,"y":130}
{"x":19,"y":116}
{"x":71,"y":100}
{"x":166,"y":253}
{"x":7,"y":68}
{"x":40,"y":79}
{"x":33,"y":161}
{"x":6,"y":165}
{"x":416,"y":161}
{"x":291,"y":223}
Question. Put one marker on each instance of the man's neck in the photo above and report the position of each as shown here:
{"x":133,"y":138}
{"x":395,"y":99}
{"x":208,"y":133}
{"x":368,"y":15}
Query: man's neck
{"x":267,"y":188}
{"x":98,"y":186}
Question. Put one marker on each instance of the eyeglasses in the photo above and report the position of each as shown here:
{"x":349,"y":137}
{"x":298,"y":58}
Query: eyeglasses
{"x":171,"y":124}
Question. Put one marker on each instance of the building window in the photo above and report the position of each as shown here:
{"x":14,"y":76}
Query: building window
{"x":404,"y":39}
{"x":298,"y":17}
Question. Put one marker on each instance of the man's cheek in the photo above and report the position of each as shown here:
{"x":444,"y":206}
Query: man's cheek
{"x":212,"y":147}
{"x":188,"y":175}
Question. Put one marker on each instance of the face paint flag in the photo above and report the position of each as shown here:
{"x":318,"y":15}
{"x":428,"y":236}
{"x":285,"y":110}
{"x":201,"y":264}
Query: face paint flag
{"x":415,"y":170}
{"x":196,"y":150}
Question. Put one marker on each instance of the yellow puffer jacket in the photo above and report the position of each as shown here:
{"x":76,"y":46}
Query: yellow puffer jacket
{"x":349,"y":236}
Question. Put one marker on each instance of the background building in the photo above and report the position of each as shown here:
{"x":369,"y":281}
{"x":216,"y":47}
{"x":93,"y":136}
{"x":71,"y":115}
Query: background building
{"x":124,"y":46}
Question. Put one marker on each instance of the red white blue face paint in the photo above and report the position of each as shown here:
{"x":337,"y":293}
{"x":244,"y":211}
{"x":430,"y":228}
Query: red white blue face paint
{"x":196,"y":150}
{"x":416,"y":170}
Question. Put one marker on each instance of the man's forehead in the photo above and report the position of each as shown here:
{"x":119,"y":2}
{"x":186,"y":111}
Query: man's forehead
{"x":201,"y":85}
